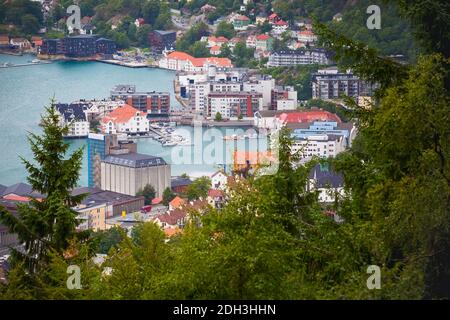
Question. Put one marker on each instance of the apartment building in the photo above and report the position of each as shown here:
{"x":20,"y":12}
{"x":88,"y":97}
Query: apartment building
{"x":232,"y":104}
{"x":298,"y":57}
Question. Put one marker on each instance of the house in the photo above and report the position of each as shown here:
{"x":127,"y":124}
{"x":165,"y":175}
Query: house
{"x":216,"y":198}
{"x":337,"y":17}
{"x":219,"y":180}
{"x":182,"y":61}
{"x":328,"y":184}
{"x":4,"y":41}
{"x":243,"y":161}
{"x":306,"y":36}
{"x":179,"y":184}
{"x":279,"y":27}
{"x":20,"y":43}
{"x":240,"y":22}
{"x":207,"y":8}
{"x":273,"y":18}
{"x":233,"y":41}
{"x":261,"y":18}
{"x":264,"y":42}
{"x":125,"y":119}
{"x":139,"y":22}
{"x":74,"y":115}
{"x":176,"y":203}
{"x":216,"y":41}
{"x":215,"y":50}
{"x":36,"y":41}
{"x":176,"y":218}
{"x":19,"y":190}
{"x":251,"y":42}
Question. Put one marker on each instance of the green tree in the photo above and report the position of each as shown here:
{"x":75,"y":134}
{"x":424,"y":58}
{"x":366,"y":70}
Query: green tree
{"x":218,"y":117}
{"x":199,"y":49}
{"x":225,"y":29}
{"x":148,"y":192}
{"x":104,"y":240}
{"x":142,"y":35}
{"x":49,"y":224}
{"x":30,"y":24}
{"x":167,"y":196}
{"x":198,"y":188}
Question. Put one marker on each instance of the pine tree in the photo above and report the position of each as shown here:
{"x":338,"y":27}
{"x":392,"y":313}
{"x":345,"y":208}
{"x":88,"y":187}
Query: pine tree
{"x":45,"y":225}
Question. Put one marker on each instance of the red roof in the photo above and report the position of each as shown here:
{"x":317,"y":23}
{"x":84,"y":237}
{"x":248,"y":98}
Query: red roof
{"x":273,"y":16}
{"x":214,"y":193}
{"x":281,"y":23}
{"x":172,"y":217}
{"x":157,"y":200}
{"x":308,"y":116}
{"x":262,"y":37}
{"x":241,"y":17}
{"x":122,"y":114}
{"x":177,"y":202}
{"x":14,"y":197}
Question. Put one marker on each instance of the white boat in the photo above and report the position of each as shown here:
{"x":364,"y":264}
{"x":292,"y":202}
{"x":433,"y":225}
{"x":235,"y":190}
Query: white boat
{"x":169,"y":144}
{"x":35,"y":61}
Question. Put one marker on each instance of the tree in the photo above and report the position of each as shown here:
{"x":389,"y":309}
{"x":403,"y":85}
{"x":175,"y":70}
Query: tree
{"x":225,"y":29}
{"x":199,"y":49}
{"x":225,"y":51}
{"x":121,"y":40}
{"x":168,"y":196}
{"x":30,"y":24}
{"x":49,"y":224}
{"x":142,"y":35}
{"x":264,"y":27}
{"x":218,"y":117}
{"x":198,"y":188}
{"x":184,"y":176}
{"x":148,"y":192}
{"x":104,"y":240}
{"x":240,"y":116}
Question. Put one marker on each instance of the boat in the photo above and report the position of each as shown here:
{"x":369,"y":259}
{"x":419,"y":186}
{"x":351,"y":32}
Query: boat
{"x":169,"y":143}
{"x":35,"y":61}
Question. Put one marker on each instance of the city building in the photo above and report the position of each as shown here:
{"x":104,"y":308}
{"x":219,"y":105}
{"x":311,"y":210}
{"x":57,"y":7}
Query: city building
{"x":283,"y":98}
{"x":306,"y":36}
{"x":322,"y":146}
{"x":98,"y":147}
{"x":130,"y":172}
{"x":74,"y":116}
{"x":182,"y":61}
{"x":298,"y":57}
{"x":303,"y":130}
{"x":161,"y":40}
{"x":79,"y":46}
{"x":232,"y":104}
{"x":155,"y":104}
{"x":100,"y":205}
{"x":331,"y":84}
{"x":125,"y":119}
{"x":279,"y":27}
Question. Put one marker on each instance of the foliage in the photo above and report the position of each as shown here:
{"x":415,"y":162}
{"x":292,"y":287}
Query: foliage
{"x":167,"y":196}
{"x":148,"y":192}
{"x":48,"y":224}
{"x":218,"y":116}
{"x":225,"y":29}
{"x":104,"y":240}
{"x":198,"y":188}
{"x":193,"y":35}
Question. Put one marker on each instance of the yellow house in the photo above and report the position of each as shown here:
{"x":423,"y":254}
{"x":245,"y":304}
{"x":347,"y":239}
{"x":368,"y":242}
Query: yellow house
{"x":93,"y":218}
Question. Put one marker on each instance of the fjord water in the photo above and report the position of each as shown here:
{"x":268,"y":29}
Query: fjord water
{"x":24,"y":91}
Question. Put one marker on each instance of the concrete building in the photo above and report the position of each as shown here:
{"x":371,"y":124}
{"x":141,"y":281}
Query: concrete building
{"x":298,"y":57}
{"x":100,"y":205}
{"x":331,"y":84}
{"x":155,"y":104}
{"x":182,"y":61}
{"x":287,"y":97}
{"x":232,"y":104}
{"x":129,"y":172}
{"x":345,"y":129}
{"x":322,"y":146}
{"x":161,"y":40}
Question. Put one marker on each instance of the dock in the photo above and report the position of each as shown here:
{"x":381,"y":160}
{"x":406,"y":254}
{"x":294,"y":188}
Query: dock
{"x":25,"y":64}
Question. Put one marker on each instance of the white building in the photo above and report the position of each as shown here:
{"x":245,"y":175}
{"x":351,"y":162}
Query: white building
{"x":125,"y":119}
{"x":328,"y":184}
{"x":231,"y":104}
{"x":219,"y":180}
{"x":263,"y":85}
{"x":74,"y":116}
{"x":322,"y":146}
{"x":286,"y":104}
{"x":182,"y":61}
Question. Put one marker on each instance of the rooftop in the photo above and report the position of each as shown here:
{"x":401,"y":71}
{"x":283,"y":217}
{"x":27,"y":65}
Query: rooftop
{"x":134,"y":160}
{"x":97,"y":196}
{"x":324,"y":177}
{"x":122,"y":114}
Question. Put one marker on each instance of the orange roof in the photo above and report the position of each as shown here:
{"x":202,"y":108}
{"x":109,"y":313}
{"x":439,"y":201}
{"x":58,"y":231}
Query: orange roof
{"x":122,"y":114}
{"x":199,"y":62}
{"x":215,"y":48}
{"x":308,"y":116}
{"x":221,"y":39}
{"x":281,"y":23}
{"x":251,"y":157}
{"x":241,"y":17}
{"x":213,"y":193}
{"x":262,"y":37}
{"x":14,"y":197}
{"x":306,"y":33}
{"x":169,"y":232}
{"x":157,"y":200}
{"x":177,"y":202}
{"x":36,"y":38}
{"x":273,"y":16}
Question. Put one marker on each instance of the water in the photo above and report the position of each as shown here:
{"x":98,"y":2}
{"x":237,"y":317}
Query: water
{"x":25,"y":90}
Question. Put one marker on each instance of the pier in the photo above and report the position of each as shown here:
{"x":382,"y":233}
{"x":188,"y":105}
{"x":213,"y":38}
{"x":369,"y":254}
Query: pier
{"x":24,"y":64}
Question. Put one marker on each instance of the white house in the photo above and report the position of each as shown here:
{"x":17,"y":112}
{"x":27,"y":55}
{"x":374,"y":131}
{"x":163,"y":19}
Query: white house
{"x":125,"y":119}
{"x":219,"y":180}
{"x":328,"y":184}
